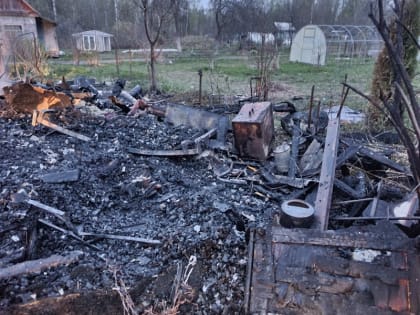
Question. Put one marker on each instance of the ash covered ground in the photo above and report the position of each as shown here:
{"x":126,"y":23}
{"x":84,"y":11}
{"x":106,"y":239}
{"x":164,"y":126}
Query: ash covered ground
{"x":178,"y":201}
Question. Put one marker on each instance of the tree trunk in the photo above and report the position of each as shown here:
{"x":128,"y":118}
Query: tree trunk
{"x":54,"y":10}
{"x":153,"y":85}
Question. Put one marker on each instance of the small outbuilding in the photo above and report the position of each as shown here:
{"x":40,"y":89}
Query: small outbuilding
{"x":315,"y":44}
{"x":284,"y":33}
{"x":93,"y":41}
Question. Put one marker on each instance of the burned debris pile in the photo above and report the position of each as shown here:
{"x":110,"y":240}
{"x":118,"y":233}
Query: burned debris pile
{"x":105,"y":189}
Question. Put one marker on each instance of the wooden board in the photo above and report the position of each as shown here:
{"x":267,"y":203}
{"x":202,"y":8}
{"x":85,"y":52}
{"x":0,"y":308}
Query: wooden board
{"x":356,"y":239}
{"x":323,"y":272}
{"x":326,"y":180}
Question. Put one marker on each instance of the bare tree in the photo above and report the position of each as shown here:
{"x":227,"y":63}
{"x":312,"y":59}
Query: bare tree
{"x":54,"y":9}
{"x":383,"y":76}
{"x":299,"y":13}
{"x":326,"y":12}
{"x":353,"y":12}
{"x":180,"y":13}
{"x":222,"y":13}
{"x":402,"y":88}
{"x":156,"y":13}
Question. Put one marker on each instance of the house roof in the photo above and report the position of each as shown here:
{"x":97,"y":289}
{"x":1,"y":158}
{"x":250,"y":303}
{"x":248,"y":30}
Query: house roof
{"x":20,"y":8}
{"x":92,"y":32}
{"x":284,"y":26}
{"x":17,"y":8}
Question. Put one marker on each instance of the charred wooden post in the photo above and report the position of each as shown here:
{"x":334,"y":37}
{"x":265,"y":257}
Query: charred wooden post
{"x":311,"y":104}
{"x":318,"y":113}
{"x":200,"y":82}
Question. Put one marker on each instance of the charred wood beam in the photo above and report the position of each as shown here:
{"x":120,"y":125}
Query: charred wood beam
{"x":249,"y":270}
{"x":38,"y":118}
{"x":67,"y":232}
{"x":375,"y":218}
{"x":346,"y":155}
{"x":277,"y":180}
{"x":22,"y":197}
{"x":293,"y":182}
{"x":359,"y":269}
{"x":205,"y":138}
{"x":371,"y":239}
{"x":233,"y":181}
{"x":36,"y":266}
{"x":342,"y":186}
{"x":345,"y":202}
{"x":378,"y":157}
{"x":269,"y":194}
{"x":123,"y":238}
{"x":165,"y":153}
{"x":267,"y":176}
{"x":413,"y":260}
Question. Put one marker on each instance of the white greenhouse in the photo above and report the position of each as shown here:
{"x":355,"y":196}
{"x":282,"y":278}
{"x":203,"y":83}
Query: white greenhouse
{"x":317,"y":44}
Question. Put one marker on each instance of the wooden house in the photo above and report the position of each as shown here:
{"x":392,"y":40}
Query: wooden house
{"x":19,"y":19}
{"x":20,"y":22}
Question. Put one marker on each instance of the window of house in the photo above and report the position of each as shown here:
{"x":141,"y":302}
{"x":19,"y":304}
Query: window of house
{"x":89,"y":42}
{"x":11,"y":31}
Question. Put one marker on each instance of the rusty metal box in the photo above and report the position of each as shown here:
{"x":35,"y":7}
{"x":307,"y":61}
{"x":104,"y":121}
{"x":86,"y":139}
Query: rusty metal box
{"x":253,"y":130}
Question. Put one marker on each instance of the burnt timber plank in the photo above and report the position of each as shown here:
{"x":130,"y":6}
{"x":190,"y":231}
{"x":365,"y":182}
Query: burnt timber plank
{"x":391,"y":297}
{"x":311,"y":284}
{"x":164,"y":153}
{"x":355,"y":239}
{"x":326,"y":180}
{"x":261,"y":288}
{"x":249,"y":270}
{"x":342,"y":186}
{"x":414,"y":282}
{"x":359,"y":269}
{"x":383,"y":160}
{"x":346,"y":155}
{"x":335,"y":304}
{"x":292,"y":255}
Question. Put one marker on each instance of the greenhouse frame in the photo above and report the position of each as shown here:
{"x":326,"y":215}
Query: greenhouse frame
{"x":321,"y":44}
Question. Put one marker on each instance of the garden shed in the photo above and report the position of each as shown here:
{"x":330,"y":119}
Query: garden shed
{"x":318,"y":44}
{"x":93,"y":41}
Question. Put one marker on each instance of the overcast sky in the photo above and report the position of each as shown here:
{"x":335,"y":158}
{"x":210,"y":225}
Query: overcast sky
{"x":203,"y":3}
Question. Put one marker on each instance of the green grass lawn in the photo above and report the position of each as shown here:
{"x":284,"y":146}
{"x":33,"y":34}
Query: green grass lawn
{"x":229,"y":74}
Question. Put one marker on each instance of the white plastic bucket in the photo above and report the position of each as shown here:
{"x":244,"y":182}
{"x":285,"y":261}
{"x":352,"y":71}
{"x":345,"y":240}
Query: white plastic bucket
{"x":281,"y":157}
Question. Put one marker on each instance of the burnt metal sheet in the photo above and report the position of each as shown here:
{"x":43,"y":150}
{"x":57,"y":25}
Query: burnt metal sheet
{"x":253,"y":130}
